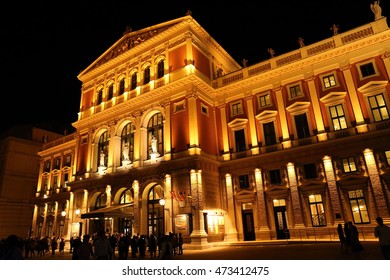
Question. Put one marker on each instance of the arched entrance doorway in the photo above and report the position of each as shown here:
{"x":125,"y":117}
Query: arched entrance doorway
{"x":156,"y":209}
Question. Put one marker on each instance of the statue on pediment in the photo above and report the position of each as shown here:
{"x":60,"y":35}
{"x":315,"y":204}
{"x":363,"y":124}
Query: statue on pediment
{"x":376,"y":9}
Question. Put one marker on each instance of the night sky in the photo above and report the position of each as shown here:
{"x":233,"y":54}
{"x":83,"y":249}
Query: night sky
{"x":46,"y":44}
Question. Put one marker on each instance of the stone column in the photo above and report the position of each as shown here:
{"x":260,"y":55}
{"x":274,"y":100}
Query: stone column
{"x":361,"y":126}
{"x":230,"y":218}
{"x":198,"y":235}
{"x":334,"y":197}
{"x":295,"y":200}
{"x":225,"y":134}
{"x":136,"y":207}
{"x":378,"y":194}
{"x":283,"y":117}
{"x":252,"y":126}
{"x":263,"y":230}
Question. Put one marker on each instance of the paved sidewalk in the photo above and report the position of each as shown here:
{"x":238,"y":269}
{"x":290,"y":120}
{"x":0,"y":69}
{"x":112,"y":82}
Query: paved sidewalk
{"x":260,"y":250}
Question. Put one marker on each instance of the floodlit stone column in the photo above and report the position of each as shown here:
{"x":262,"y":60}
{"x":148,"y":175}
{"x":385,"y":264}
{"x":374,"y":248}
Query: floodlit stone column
{"x":198,"y":235}
{"x":230,"y":218}
{"x":334,"y":198}
{"x":361,"y":126}
{"x":252,"y":125}
{"x":378,"y":193}
{"x":136,"y":206}
{"x":296,"y":204}
{"x":263,"y":231}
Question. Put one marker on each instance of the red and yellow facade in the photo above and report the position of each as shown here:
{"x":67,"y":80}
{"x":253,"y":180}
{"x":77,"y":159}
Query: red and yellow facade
{"x":174,"y":136}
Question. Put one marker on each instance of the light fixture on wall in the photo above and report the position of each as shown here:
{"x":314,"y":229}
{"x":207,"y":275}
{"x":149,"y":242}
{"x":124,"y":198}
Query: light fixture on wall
{"x":63,"y":213}
{"x":162,"y":201}
{"x":77,"y":211}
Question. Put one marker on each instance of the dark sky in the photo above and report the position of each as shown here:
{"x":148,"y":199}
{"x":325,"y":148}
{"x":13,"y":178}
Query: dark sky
{"x":45,"y":44}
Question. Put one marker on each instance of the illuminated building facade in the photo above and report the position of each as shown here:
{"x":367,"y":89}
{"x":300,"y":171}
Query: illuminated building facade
{"x":174,"y":136}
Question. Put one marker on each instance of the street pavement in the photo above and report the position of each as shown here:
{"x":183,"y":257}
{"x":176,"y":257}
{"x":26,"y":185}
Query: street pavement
{"x":253,"y":250}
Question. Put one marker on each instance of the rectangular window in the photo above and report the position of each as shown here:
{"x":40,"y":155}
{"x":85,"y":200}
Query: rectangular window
{"x":264,"y":100}
{"x":47,"y":166}
{"x":99,"y":97}
{"x":310,"y":171}
{"x":147,"y":76}
{"x":67,"y":160}
{"x":317,"y":210}
{"x":367,"y":69}
{"x":121,"y":86}
{"x":329,"y":81}
{"x":204,"y":109}
{"x":55,"y":182}
{"x":358,"y":207}
{"x":338,"y":117}
{"x":269,"y":134}
{"x":110,"y":92}
{"x":133,"y":81}
{"x":349,"y":165}
{"x":236,"y":108}
{"x":274,"y":176}
{"x":160,"y":69}
{"x":378,"y":107}
{"x":295,"y":91}
{"x":387,"y":154}
{"x":57,"y":163}
{"x":244,"y":181}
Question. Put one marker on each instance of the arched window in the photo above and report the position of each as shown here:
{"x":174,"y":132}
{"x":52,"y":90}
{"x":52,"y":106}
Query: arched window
{"x":102,"y":152}
{"x":133,"y":81}
{"x":99,"y":97}
{"x":121,"y":86}
{"x":110,"y":92}
{"x":101,"y":201}
{"x":127,"y":142}
{"x":155,"y":130}
{"x":146,"y":75}
{"x":126,"y":197}
{"x":155,"y":211}
{"x":160,"y":69}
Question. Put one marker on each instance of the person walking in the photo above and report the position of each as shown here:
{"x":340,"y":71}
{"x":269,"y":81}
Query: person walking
{"x":103,"y":248}
{"x":340,"y":232}
{"x":152,"y":246}
{"x":12,"y":249}
{"x":382,"y":232}
{"x":356,"y":246}
{"x":86,"y":249}
{"x":347,"y":234}
{"x":180,"y":244}
{"x":53,"y":245}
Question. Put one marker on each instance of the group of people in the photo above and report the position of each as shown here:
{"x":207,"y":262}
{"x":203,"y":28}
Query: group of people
{"x":349,"y":239}
{"x":102,"y":246}
{"x":31,"y":247}
{"x":350,"y":243}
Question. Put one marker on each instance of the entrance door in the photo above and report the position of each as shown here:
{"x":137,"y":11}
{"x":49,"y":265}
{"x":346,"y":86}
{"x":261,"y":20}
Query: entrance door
{"x":247,"y":222}
{"x":281,"y":222}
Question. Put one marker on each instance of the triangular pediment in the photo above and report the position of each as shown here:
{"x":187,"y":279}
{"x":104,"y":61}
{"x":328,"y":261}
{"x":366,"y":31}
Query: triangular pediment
{"x":353,"y":180}
{"x":132,"y":39}
{"x":298,"y":106}
{"x":267,"y":115}
{"x":238,"y":123}
{"x":333,"y":97}
{"x":372,"y":86}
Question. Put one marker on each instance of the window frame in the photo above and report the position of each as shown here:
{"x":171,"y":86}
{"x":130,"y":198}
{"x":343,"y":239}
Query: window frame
{"x":338,"y":117}
{"x":361,"y":64}
{"x":358,"y":206}
{"x":316,"y":204}
{"x":236,"y":108}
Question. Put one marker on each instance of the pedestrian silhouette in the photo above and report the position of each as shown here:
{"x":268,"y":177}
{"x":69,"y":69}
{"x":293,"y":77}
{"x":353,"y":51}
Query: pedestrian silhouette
{"x":342,"y":239}
{"x":382,"y":232}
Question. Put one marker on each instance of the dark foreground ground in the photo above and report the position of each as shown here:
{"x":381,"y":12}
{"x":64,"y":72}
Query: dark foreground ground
{"x":260,"y":251}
